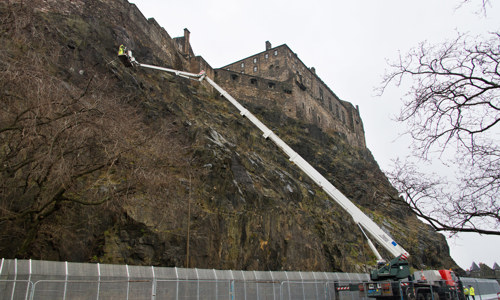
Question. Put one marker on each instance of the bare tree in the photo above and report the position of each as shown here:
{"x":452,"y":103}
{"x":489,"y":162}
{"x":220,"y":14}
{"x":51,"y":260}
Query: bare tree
{"x":453,"y":108}
{"x":429,"y":197}
{"x":73,"y":142}
{"x":60,"y":145}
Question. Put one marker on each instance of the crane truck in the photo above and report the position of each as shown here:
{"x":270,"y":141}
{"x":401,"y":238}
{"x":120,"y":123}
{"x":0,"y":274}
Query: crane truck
{"x":390,"y":280}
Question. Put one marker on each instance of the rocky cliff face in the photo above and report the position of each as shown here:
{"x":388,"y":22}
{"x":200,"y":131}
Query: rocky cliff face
{"x":100,"y":163}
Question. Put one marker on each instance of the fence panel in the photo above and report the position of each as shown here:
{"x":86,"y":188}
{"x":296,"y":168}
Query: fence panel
{"x":15,"y":289}
{"x":167,"y":289}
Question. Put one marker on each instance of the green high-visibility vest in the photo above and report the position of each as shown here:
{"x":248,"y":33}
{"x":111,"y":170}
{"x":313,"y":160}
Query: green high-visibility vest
{"x":466,"y":291}
{"x":471,"y":291}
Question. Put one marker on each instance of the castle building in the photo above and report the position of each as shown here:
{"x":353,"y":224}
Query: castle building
{"x":276,"y":77}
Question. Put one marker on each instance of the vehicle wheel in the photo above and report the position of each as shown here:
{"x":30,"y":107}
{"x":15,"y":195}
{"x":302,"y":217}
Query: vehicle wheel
{"x":421,"y":296}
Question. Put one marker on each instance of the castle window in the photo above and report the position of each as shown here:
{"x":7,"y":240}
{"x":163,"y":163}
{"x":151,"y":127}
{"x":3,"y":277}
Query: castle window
{"x":330,"y":104}
{"x":253,"y":81}
{"x":255,"y":60}
{"x":275,"y":52}
{"x":287,"y":91}
{"x":255,"y":69}
{"x":234,"y":76}
{"x":321,"y":95}
{"x":242,"y":64}
{"x":319,"y":119}
{"x":271,"y":85}
{"x":266,"y":55}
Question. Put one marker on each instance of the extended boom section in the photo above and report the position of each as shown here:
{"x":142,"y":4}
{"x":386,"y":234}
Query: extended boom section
{"x":359,"y":217}
{"x":365,"y":223}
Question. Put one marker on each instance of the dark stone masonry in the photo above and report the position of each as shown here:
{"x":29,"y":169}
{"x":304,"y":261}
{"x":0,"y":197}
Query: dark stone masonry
{"x":278,"y":77}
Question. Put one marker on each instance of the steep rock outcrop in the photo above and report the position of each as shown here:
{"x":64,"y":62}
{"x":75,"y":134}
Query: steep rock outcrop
{"x":103,"y":163}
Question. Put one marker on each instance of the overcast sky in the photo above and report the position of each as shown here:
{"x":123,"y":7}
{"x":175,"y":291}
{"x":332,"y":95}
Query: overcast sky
{"x":349,"y":43}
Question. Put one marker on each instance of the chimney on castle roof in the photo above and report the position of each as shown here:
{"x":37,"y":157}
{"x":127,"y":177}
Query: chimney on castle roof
{"x":185,"y":49}
{"x":268,"y":45}
{"x":313,"y":69}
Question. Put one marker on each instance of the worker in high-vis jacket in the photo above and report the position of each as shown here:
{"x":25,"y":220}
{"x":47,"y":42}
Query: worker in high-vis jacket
{"x":466,"y":293}
{"x":472,"y":293}
{"x":121,"y":50}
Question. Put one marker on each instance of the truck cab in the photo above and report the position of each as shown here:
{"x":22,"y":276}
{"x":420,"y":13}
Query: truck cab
{"x":423,"y":285}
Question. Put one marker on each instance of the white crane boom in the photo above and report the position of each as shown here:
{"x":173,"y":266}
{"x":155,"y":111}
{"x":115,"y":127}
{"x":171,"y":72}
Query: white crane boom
{"x":359,"y":217}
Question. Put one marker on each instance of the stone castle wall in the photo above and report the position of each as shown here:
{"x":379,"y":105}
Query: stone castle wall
{"x":261,"y":91}
{"x":303,"y":95}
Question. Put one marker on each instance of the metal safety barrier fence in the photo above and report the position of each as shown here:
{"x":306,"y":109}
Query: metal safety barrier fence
{"x":179,"y":289}
{"x":34,"y":279}
{"x":169,"y":289}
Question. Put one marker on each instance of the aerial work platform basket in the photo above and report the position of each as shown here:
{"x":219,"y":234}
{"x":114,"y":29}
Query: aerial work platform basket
{"x":125,"y":56}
